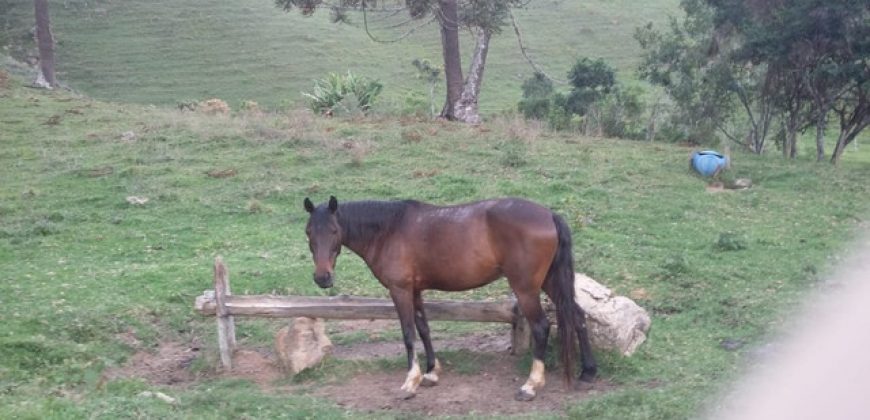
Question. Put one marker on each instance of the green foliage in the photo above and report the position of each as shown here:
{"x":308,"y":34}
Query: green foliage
{"x":619,"y":114}
{"x":677,"y":60}
{"x":537,"y":92}
{"x":604,"y":108}
{"x":739,"y":69}
{"x":730,"y":241}
{"x":590,"y":80}
{"x":331,"y":91}
{"x":537,"y":86}
{"x":514,"y":153}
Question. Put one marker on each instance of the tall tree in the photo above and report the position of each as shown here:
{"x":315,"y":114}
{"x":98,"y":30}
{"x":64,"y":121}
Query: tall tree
{"x":818,"y":51}
{"x":45,"y":44}
{"x":448,"y":21}
{"x":483,"y":18}
{"x":796,"y":60}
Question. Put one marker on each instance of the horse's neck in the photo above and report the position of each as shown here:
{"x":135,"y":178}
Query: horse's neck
{"x":366,"y":224}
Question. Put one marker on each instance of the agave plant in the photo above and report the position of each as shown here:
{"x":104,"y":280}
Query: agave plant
{"x":329,"y":92}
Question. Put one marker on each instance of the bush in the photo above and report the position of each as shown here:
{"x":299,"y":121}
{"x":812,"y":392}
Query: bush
{"x":618,"y":114}
{"x":330,"y":92}
{"x":590,"y":81}
{"x":595,"y":103}
{"x":537,"y":86}
{"x":537,"y":93}
{"x":534,"y":108}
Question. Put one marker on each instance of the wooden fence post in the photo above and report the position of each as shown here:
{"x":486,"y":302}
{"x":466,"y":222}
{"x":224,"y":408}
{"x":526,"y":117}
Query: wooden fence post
{"x":521,"y":333}
{"x":225,"y":324}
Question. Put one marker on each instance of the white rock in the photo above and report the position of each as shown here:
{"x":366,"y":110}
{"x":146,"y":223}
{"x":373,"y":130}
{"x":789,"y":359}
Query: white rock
{"x":302,"y":344}
{"x":614,"y":322}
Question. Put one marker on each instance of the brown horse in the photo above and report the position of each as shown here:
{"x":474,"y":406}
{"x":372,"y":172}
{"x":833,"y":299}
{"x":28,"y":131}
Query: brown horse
{"x":412,"y":246}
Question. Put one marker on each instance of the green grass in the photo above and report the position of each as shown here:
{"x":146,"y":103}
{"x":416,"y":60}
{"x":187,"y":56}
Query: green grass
{"x":163,"y":52}
{"x":81,"y":266}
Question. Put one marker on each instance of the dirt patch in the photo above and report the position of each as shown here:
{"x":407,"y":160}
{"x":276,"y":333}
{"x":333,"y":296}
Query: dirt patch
{"x":494,"y":341}
{"x":489,"y":390}
{"x":167,"y":364}
{"x":257,"y":366}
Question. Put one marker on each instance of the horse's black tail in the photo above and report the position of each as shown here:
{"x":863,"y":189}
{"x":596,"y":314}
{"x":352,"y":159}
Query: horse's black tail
{"x":559,"y":285}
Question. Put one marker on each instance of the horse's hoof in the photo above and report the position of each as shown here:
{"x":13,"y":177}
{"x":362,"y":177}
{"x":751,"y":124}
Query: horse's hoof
{"x":427,"y":382}
{"x":405,"y":395}
{"x":524,"y":396}
{"x":588,"y":376}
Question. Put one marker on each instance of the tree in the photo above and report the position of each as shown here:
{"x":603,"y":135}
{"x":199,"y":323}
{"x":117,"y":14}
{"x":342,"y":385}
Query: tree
{"x":816,"y":52}
{"x":483,"y":18}
{"x":687,"y":62}
{"x":792,"y":61}
{"x":45,"y":44}
{"x":590,"y":81}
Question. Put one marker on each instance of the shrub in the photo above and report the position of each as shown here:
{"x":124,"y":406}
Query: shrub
{"x":590,"y":81}
{"x":537,"y":93}
{"x":331,"y":91}
{"x":534,"y":108}
{"x":618,"y":114}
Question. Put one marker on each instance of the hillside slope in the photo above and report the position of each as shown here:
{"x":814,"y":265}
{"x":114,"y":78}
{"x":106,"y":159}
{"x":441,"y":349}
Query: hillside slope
{"x":164,"y":51}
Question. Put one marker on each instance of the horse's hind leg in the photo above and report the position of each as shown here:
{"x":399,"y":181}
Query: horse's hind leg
{"x":433,"y":367}
{"x":404,"y":302}
{"x":587,"y":361}
{"x":530,"y":305}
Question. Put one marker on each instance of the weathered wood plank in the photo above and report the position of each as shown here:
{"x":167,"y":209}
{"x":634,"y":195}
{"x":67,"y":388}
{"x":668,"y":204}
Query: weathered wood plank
{"x":348,"y":307}
{"x":225,"y":323}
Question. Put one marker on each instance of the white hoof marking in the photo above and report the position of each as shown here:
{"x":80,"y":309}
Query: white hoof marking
{"x":536,"y":378}
{"x":412,"y":381}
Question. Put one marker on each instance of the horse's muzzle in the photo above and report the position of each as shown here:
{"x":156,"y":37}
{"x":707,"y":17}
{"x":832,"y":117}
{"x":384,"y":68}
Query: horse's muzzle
{"x":324,"y":280}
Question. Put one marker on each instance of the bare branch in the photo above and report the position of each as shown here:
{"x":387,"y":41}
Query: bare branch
{"x":534,"y":65}
{"x":389,"y":41}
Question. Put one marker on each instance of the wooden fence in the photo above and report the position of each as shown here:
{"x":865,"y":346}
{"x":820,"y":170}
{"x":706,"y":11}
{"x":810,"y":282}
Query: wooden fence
{"x":225,"y":306}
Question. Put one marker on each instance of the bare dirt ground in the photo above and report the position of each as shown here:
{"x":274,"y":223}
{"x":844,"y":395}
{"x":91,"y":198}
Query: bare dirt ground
{"x":489,"y":390}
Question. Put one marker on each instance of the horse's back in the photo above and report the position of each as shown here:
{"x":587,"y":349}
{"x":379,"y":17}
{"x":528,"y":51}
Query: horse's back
{"x":465,"y":246}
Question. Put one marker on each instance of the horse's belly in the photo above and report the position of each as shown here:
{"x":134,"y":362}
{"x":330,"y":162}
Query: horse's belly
{"x":457,"y":276}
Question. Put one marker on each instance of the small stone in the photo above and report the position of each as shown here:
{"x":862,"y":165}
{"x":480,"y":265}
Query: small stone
{"x":137,"y":201}
{"x":302,"y":344}
{"x":128,"y":136}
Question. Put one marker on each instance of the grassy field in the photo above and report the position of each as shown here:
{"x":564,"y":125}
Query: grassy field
{"x":163,"y":52}
{"x":82,"y":268}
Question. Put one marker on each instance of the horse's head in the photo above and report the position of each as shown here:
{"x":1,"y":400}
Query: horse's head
{"x":324,"y":239}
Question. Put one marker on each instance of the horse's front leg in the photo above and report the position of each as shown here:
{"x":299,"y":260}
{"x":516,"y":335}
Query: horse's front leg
{"x":404,"y":302}
{"x":433,"y":367}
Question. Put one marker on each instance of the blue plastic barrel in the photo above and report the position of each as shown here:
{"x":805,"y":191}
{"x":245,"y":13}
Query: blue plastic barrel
{"x":708,"y":162}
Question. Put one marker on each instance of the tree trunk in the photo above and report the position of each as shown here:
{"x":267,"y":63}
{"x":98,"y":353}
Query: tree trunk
{"x":789,"y":149}
{"x":821,"y":122}
{"x":466,"y":108}
{"x":45,"y":43}
{"x":448,"y":17}
{"x":838,"y":148}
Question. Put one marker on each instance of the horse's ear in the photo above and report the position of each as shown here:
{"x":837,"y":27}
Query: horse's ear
{"x":309,"y":206}
{"x":333,"y":204}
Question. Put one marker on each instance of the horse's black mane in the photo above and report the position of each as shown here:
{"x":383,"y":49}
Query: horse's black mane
{"x":366,"y":220}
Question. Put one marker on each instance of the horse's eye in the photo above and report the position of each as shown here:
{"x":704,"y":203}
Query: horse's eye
{"x":335,"y":231}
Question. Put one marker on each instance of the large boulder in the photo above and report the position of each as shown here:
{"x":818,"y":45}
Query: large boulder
{"x":302,"y":344}
{"x":614,"y":322}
